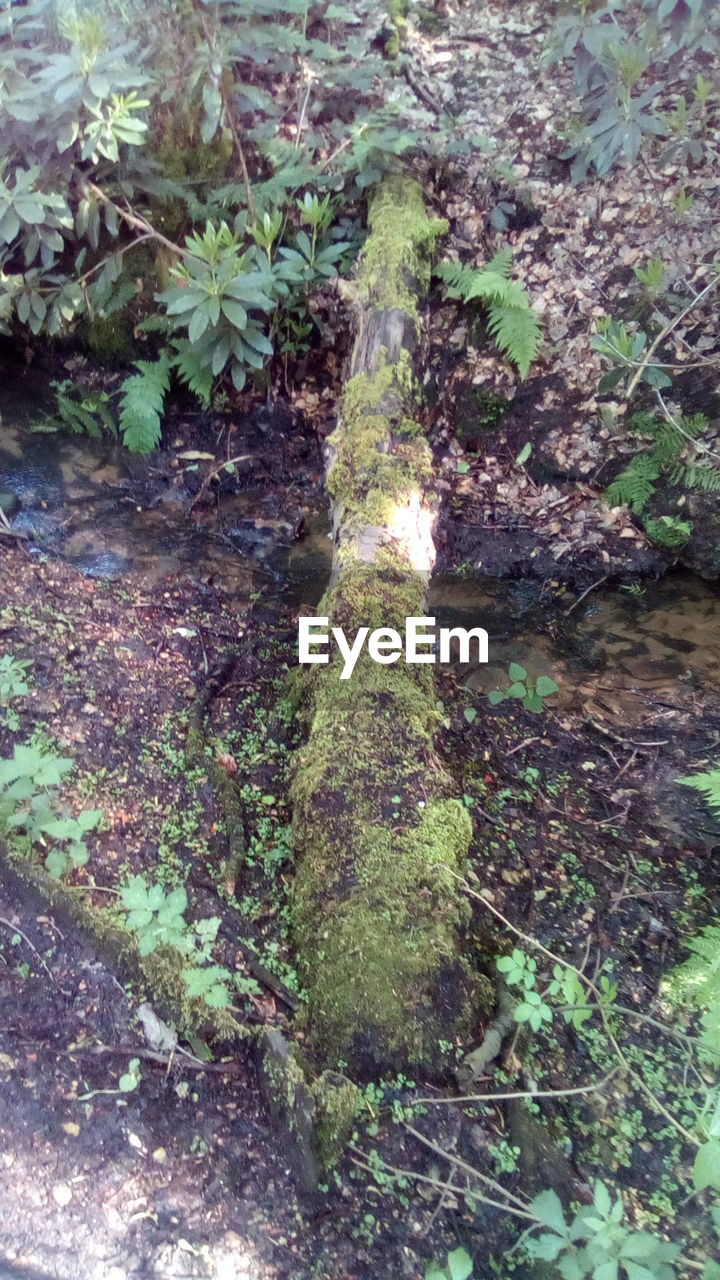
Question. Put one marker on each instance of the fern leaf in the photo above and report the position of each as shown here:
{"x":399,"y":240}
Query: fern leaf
{"x":516,"y":332}
{"x":141,"y":404}
{"x":708,"y":784}
{"x":457,"y":277}
{"x":501,"y":263}
{"x":697,"y":980}
{"x":696,"y":476}
{"x":491,"y":287}
{"x":196,"y":375}
{"x":635,"y":486}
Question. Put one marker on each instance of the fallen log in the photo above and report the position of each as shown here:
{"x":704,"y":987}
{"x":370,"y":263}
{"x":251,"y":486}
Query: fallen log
{"x":376,"y":913}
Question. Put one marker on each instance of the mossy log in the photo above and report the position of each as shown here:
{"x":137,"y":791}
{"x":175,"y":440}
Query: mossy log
{"x":377,"y":914}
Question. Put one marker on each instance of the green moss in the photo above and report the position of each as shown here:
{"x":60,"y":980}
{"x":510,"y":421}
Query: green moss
{"x":111,"y":338}
{"x":397,"y":14}
{"x":381,"y":454}
{"x":337,"y":1102}
{"x":376,"y":911}
{"x":396,"y":262}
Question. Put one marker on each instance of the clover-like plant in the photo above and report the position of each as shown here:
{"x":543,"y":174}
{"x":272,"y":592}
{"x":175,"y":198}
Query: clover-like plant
{"x":531,"y":692}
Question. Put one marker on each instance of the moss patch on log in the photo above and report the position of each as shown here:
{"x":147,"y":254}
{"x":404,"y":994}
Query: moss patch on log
{"x":380,"y":453}
{"x":375,"y":907}
{"x":397,"y":258}
{"x":376,"y":911}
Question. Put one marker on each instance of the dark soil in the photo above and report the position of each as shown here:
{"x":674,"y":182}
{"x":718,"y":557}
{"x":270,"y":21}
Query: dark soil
{"x":582,"y":839}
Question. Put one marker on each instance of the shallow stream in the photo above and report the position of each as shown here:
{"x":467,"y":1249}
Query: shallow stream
{"x":610,"y":652}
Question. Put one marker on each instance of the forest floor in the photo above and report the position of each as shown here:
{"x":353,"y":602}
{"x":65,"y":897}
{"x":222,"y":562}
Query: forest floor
{"x":580,"y":833}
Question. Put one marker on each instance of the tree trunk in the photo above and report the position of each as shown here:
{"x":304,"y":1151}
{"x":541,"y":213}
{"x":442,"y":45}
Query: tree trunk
{"x":376,"y":912}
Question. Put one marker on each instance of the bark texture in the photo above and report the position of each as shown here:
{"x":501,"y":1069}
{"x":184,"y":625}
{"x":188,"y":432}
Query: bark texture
{"x":377,"y":915}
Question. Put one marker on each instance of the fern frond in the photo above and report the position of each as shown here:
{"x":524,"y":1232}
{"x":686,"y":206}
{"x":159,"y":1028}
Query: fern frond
{"x":491,"y":287}
{"x":457,"y":276}
{"x":697,"y":980}
{"x":516,"y":332}
{"x":696,"y":476}
{"x":141,"y":404}
{"x":511,"y":321}
{"x":196,"y":375}
{"x":694,"y":424}
{"x":635,"y":486}
{"x":669,"y":442}
{"x":708,"y":784}
{"x":501,"y":263}
{"x":669,"y":531}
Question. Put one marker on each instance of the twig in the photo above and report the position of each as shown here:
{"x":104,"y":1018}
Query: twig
{"x":134,"y":220}
{"x":116,"y":253}
{"x":496,"y":1187}
{"x":590,"y":985}
{"x":16,"y":929}
{"x":527,"y":743}
{"x":700,"y":448}
{"x":442,"y":1201}
{"x":420,"y":91}
{"x":664,"y":333}
{"x":131,"y":1051}
{"x":6,"y":528}
{"x":585,"y":593}
{"x":523,"y":1093}
{"x":626,"y":742}
{"x":212,"y":475}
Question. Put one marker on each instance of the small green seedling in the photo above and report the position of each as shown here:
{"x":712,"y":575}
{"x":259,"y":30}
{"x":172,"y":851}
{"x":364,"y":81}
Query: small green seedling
{"x":29,"y":803}
{"x":532,"y":692}
{"x":12,"y":685}
{"x":521,"y":971}
{"x":458,"y":1267}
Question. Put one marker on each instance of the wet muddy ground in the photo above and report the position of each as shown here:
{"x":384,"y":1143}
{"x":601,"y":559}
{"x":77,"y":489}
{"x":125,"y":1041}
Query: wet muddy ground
{"x":582,"y":835}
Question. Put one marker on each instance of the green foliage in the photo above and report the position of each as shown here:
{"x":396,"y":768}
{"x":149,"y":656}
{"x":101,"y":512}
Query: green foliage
{"x":674,"y":453}
{"x":141,"y":404}
{"x":708,"y":784}
{"x":221,"y":293}
{"x":12,"y":685}
{"x":208,"y":984}
{"x":532,"y":692}
{"x":697,"y":980}
{"x":158,"y":918}
{"x":510,"y":318}
{"x":624,"y":350}
{"x":29,"y":804}
{"x":131,"y":1078}
{"x":521,"y":971}
{"x":596,"y":1242}
{"x":696,"y":983}
{"x":624,"y":55}
{"x":635,"y":486}
{"x":459,"y":1266}
{"x":154,"y":915}
{"x":94,"y":151}
{"x":80,"y":411}
{"x":669,"y":531}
